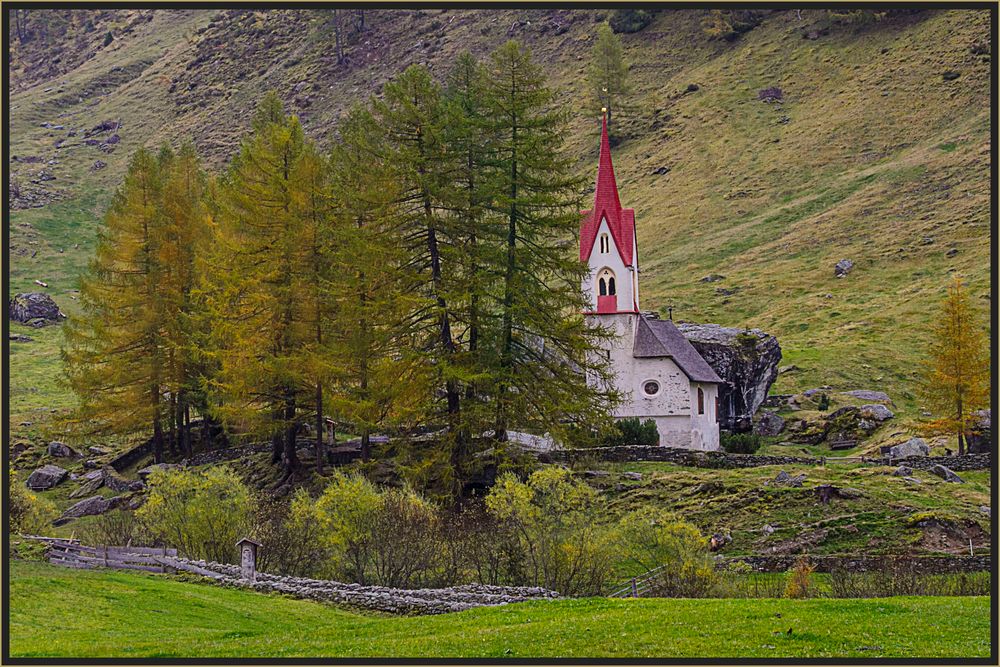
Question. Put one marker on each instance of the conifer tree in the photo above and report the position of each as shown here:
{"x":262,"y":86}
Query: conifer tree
{"x":413,"y":117}
{"x":374,"y":345}
{"x":115,"y":357}
{"x":261,"y":286}
{"x":545,"y":347}
{"x":956,"y":378}
{"x":608,"y":71}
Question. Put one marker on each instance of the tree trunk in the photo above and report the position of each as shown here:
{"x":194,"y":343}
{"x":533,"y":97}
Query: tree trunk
{"x":319,"y":428}
{"x":157,"y":427}
{"x":277,"y":446}
{"x":506,"y":353}
{"x":291,"y":460}
{"x":366,"y":445}
{"x":187,"y":431}
{"x":961,"y":426}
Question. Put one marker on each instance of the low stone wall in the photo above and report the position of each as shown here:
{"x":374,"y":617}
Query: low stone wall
{"x":920,"y":564}
{"x":967,"y":462}
{"x":373,"y":598}
{"x":720,"y":459}
{"x":676,"y":455}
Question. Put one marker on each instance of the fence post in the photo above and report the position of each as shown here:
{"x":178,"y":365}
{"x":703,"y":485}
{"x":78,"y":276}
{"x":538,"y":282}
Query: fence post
{"x":635,"y":590}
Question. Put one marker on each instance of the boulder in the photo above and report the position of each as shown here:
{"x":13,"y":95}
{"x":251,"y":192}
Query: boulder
{"x":46,"y":477}
{"x":19,"y":338}
{"x":842,"y":268}
{"x":596,"y":473}
{"x":61,"y":450}
{"x":912,"y":447}
{"x":981,"y":432}
{"x":29,"y":306}
{"x":769,"y":424}
{"x":877,"y":412}
{"x":634,"y":476}
{"x":746,"y":359}
{"x":89,"y":486}
{"x":88,"y":507}
{"x":903,"y":471}
{"x":784,"y":479}
{"x":947,"y":474}
{"x":869,"y":395}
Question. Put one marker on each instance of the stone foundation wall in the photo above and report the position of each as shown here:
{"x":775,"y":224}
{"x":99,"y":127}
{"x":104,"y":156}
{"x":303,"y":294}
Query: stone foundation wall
{"x":920,"y":564}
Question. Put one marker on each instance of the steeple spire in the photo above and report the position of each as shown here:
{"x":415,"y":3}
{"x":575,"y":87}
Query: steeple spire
{"x":606,"y":198}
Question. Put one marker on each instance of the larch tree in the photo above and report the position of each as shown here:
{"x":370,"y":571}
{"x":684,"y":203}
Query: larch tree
{"x":608,"y":71}
{"x":413,"y":117}
{"x":380,"y":377}
{"x":956,"y":380}
{"x":121,"y":353}
{"x":545,"y":348}
{"x":260,"y":284}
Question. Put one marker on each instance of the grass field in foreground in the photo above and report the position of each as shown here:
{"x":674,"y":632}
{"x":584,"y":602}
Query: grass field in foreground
{"x":58,"y":612}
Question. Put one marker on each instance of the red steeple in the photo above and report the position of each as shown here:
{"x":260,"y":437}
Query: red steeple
{"x":607,"y":206}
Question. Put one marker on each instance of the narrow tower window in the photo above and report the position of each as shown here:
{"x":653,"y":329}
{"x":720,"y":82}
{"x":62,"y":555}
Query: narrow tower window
{"x":603,"y":287}
{"x":701,"y":401}
{"x":605,"y":246}
{"x":611,"y":285}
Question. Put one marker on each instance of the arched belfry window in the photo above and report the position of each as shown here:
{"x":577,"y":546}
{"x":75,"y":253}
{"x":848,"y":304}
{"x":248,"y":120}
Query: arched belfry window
{"x":701,"y":401}
{"x":606,"y":283}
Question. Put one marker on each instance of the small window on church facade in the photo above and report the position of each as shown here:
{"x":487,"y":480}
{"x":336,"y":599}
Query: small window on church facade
{"x":651,"y":387}
{"x":605,"y":245}
{"x":701,"y":401}
{"x":611,"y":285}
{"x":606,"y":283}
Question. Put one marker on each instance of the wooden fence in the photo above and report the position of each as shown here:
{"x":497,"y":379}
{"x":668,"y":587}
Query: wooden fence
{"x":70,"y":553}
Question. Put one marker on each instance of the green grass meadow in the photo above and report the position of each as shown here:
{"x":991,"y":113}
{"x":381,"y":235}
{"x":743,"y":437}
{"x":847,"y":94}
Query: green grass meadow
{"x":57,"y":612}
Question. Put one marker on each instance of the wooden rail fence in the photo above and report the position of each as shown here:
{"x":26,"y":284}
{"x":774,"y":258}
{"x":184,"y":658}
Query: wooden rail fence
{"x":70,"y":553}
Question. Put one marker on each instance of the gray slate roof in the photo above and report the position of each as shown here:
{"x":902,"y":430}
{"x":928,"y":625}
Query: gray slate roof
{"x":660,"y":338}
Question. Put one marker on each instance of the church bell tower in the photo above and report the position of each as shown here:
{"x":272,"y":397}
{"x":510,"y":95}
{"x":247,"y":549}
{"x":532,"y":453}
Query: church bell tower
{"x":608,"y":245}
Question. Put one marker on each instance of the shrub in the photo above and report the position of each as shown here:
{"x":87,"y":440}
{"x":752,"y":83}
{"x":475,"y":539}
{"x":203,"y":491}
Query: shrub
{"x":201,"y":513}
{"x":291,"y":538}
{"x":651,"y":538}
{"x":901,"y":577}
{"x":552,"y":516}
{"x":799,"y":583}
{"x":119,"y":527}
{"x":740,"y":443}
{"x":824,"y":403}
{"x":108,"y":38}
{"x":728,"y":25}
{"x":630,"y":20}
{"x":27,"y":513}
{"x":631,"y":431}
{"x":772,"y":94}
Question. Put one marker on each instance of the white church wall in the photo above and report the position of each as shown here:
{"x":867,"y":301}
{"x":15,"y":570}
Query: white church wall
{"x":624,"y":277}
{"x":704,"y":427}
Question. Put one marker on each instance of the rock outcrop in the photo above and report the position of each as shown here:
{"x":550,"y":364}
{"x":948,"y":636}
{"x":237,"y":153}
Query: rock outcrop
{"x":947,"y":474}
{"x":61,"y":450}
{"x":747,"y":359}
{"x":769,"y":424}
{"x":88,"y":507}
{"x":912,"y":447}
{"x":981,"y":433}
{"x":34,"y":308}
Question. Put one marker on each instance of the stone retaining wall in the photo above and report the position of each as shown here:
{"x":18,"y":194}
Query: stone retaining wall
{"x":920,"y":564}
{"x":720,"y":459}
{"x":373,"y":598}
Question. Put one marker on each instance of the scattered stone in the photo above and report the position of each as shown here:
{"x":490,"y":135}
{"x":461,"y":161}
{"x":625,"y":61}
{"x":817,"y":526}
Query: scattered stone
{"x":596,"y":473}
{"x":784,"y":479}
{"x":91,"y":464}
{"x":769,"y":424}
{"x":712,"y":277}
{"x":46,"y":477}
{"x":985,"y":509}
{"x":97,"y":451}
{"x":903,"y":471}
{"x":947,"y":474}
{"x":951,"y":252}
{"x":772,"y":94}
{"x":719,"y":540}
{"x":119,"y":484}
{"x":692,"y":88}
{"x":28,"y":307}
{"x":842,"y":268}
{"x":45,"y":175}
{"x":912,"y":447}
{"x":726,"y":291}
{"x":19,"y":338}
{"x":912,"y":480}
{"x":89,"y":486}
{"x":951,"y":75}
{"x":768,"y":529}
{"x":660,"y":171}
{"x":980,"y":434}
{"x":113,"y":139}
{"x":62,"y":451}
{"x":144,"y":473}
{"x":98,"y":165}
{"x":791,"y":368}
{"x":634,"y":476}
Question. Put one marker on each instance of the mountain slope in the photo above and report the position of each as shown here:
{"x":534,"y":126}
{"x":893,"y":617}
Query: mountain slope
{"x":872,"y":155}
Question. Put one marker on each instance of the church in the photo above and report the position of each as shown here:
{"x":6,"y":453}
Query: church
{"x":658,"y":372}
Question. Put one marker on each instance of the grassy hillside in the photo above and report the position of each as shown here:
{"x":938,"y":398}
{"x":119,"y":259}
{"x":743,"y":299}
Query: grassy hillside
{"x":71,"y":613}
{"x":872,"y":156}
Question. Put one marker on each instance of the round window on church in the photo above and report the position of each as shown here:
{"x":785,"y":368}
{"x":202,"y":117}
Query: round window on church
{"x":651,"y":387}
